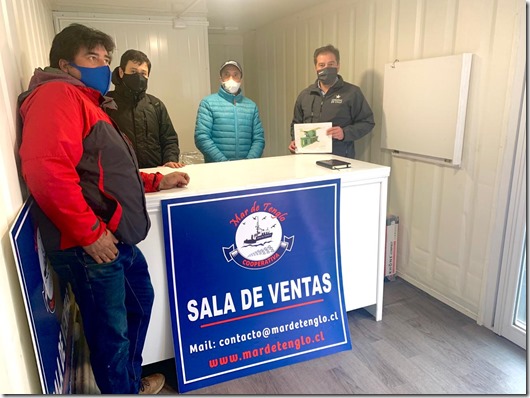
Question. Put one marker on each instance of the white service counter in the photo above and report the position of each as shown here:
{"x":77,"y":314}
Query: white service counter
{"x":362,"y":227}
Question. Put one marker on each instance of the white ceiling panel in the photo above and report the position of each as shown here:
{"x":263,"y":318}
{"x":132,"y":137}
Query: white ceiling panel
{"x":223,"y":15}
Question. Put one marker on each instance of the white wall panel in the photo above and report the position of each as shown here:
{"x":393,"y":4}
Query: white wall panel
{"x":180,"y":74}
{"x":446,"y":216}
{"x":34,"y":33}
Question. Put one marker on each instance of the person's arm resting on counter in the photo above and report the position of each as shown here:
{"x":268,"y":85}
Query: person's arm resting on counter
{"x":154,"y":182}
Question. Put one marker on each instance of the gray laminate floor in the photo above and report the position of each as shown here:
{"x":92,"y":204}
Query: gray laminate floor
{"x":421,"y":346}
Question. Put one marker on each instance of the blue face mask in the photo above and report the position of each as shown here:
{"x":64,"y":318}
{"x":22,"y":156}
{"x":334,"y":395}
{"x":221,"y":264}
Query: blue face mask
{"x":97,"y":78}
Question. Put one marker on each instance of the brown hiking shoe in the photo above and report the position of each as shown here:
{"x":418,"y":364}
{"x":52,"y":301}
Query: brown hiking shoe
{"x":152,"y":384}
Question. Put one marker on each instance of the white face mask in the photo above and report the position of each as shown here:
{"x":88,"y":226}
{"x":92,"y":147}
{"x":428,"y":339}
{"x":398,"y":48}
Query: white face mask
{"x":231,"y":86}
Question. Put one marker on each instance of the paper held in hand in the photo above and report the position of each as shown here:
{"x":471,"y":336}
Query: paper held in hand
{"x":312,"y":137}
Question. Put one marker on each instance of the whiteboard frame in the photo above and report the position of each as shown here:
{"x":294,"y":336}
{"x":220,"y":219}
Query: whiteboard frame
{"x":399,"y":147}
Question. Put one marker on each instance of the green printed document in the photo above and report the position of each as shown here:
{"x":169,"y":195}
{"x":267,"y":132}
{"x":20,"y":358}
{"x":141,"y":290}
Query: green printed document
{"x":312,"y":137}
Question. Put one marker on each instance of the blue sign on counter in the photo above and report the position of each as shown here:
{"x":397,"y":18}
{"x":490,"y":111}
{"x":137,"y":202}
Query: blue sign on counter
{"x":254,"y":280}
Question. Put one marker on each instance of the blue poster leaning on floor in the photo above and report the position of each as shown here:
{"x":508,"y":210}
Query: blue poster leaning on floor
{"x":49,"y":306}
{"x":254,"y":280}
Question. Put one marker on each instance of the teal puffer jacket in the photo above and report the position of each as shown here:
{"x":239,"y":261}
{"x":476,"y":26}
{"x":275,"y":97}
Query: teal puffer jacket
{"x":228,"y":127}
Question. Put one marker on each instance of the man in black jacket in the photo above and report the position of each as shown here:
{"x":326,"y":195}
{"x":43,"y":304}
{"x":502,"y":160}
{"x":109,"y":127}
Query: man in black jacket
{"x":331,"y":99}
{"x":141,"y":116}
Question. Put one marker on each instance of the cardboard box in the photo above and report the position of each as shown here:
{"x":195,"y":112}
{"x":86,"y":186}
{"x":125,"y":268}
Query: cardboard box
{"x":391,"y":240}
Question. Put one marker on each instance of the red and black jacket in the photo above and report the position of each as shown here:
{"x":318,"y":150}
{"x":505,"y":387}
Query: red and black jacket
{"x":81,"y":171}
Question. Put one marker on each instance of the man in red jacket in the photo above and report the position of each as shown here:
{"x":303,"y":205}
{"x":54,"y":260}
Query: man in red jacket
{"x":90,"y":203}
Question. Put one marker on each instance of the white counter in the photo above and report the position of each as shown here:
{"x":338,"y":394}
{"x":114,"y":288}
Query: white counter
{"x":362,"y":227}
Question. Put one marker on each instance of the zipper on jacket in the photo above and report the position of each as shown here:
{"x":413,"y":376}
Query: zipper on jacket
{"x":236,"y":130}
{"x":134,"y":129}
{"x":320,"y":112}
{"x":146,"y":126}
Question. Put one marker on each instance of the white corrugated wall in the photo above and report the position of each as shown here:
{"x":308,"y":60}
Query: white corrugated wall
{"x":448,"y":232}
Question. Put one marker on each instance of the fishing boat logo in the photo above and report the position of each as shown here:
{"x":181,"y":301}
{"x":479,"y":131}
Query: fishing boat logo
{"x":258,"y":242}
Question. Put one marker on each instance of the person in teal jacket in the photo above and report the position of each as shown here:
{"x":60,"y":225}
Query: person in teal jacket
{"x":228,"y":126}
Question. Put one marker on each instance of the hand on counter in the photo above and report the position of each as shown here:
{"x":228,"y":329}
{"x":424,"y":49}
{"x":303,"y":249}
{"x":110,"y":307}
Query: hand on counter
{"x":174,"y":165}
{"x":176,"y":179}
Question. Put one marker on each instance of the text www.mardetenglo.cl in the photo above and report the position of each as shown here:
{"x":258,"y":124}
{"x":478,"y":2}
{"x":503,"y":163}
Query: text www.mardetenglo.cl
{"x":289,"y":345}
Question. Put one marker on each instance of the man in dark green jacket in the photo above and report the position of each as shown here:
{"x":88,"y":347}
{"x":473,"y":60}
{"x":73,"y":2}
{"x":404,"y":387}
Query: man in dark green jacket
{"x":141,"y":116}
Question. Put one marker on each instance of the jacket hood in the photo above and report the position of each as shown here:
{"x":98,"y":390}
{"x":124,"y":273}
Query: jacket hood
{"x":116,"y":80}
{"x":48,"y":74}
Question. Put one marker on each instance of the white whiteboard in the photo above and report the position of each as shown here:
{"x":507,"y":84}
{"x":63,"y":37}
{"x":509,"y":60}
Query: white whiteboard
{"x":424,"y":107}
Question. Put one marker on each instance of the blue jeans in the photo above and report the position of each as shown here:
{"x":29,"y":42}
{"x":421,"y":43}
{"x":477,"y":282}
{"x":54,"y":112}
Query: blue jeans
{"x":115,"y":300}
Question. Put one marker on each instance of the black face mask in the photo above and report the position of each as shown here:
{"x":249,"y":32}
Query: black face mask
{"x":327,"y":75}
{"x":135,"y":82}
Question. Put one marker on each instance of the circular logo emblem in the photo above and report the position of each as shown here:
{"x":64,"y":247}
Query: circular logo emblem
{"x":258,"y":236}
